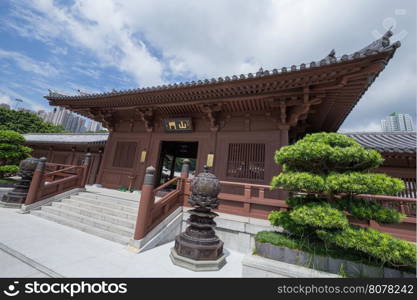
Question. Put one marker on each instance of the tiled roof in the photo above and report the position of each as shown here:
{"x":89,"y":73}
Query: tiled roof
{"x":66,"y":138}
{"x":380,"y":45}
{"x":399,"y":142}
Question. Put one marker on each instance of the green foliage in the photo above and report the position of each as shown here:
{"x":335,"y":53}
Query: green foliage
{"x":320,"y":215}
{"x":318,"y":168}
{"x":364,"y":183}
{"x":366,"y":210}
{"x":299,"y":181}
{"x":380,"y":245}
{"x":322,"y":153}
{"x":283,"y":219}
{"x":277,"y":239}
{"x":8,"y":170}
{"x":25,"y":122}
{"x":11,"y":152}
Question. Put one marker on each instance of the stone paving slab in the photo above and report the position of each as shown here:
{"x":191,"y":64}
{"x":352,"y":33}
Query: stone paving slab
{"x":73,"y":253}
{"x":11,"y":267}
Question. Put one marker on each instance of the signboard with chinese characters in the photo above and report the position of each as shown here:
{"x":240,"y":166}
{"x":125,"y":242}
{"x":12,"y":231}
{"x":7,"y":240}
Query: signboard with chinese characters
{"x":177,"y":125}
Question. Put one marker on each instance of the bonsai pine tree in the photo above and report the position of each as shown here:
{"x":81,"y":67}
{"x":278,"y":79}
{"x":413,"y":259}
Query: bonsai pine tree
{"x":324,"y":172}
{"x":12,"y":151}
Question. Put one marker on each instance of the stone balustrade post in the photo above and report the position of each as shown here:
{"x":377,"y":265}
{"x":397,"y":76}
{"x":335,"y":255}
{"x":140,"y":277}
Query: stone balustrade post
{"x":145,"y":204}
{"x":37,"y":182}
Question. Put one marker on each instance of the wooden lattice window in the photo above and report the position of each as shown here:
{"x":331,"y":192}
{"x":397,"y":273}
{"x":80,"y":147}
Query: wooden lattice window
{"x":246,"y":161}
{"x":124,"y":155}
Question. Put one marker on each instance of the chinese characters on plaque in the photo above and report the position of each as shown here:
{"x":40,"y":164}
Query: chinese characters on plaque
{"x":178,"y":125}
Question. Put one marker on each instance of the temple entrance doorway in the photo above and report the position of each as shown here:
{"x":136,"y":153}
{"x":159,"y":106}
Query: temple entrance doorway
{"x":171,"y":157}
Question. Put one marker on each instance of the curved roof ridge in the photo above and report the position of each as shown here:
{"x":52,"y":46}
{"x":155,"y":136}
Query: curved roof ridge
{"x":380,"y":45}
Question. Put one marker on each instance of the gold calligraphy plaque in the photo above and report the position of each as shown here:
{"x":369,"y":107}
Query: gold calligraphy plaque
{"x":178,"y":125}
{"x":143,"y":156}
{"x":210,"y":160}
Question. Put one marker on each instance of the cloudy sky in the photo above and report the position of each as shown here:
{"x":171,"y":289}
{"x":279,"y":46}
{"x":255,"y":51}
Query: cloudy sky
{"x":98,"y":45}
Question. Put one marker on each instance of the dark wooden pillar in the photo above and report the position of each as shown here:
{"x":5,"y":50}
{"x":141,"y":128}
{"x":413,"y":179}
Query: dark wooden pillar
{"x":145,"y":204}
{"x":37,"y":182}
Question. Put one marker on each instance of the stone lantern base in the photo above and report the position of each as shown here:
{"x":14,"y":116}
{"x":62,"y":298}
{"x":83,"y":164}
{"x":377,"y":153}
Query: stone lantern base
{"x":16,"y":197}
{"x":197,"y":265}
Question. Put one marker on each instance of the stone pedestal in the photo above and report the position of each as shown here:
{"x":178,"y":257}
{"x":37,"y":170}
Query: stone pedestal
{"x":198,"y":248}
{"x":17,"y":196}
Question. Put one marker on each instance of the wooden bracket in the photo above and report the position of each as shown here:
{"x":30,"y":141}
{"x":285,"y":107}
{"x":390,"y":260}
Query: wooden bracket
{"x":147,"y":116}
{"x":212,"y":113}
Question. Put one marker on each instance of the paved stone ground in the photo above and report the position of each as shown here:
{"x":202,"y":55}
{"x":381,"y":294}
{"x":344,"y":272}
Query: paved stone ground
{"x":72,"y":253}
{"x":10,"y":266}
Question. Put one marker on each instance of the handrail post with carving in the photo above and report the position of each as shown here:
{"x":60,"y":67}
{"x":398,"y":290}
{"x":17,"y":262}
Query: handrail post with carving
{"x":86,"y":169}
{"x":37,"y":182}
{"x":145,"y":204}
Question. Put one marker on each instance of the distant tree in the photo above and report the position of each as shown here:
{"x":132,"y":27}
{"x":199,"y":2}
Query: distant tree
{"x":25,"y":122}
{"x":12,"y":152}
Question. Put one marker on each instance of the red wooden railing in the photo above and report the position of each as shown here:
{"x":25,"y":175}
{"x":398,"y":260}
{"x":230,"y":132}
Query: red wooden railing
{"x":50,"y":179}
{"x":254,"y":201}
{"x":153,"y":210}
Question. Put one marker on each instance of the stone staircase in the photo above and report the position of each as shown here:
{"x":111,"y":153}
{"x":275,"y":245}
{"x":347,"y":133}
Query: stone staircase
{"x":102,"y":212}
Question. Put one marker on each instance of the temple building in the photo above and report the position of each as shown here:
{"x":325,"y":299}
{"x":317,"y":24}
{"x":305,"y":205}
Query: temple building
{"x":233,"y":124}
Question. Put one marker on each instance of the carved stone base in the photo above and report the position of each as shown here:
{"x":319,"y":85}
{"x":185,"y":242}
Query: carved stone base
{"x":197,"y":265}
{"x":17,"y":196}
{"x":198,"y":249}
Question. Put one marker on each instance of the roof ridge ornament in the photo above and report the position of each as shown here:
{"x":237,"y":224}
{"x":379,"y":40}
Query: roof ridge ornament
{"x":381,"y":44}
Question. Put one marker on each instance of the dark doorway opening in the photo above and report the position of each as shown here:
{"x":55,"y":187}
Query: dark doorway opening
{"x":171,"y":158}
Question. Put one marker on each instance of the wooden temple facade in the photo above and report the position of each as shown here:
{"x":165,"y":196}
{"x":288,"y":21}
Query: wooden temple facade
{"x":232,"y":124}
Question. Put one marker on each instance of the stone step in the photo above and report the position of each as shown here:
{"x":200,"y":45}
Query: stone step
{"x":123,"y":214}
{"x":109,"y":198}
{"x":108,"y":204}
{"x":83,"y":227}
{"x":94,"y":214}
{"x":103,"y":225}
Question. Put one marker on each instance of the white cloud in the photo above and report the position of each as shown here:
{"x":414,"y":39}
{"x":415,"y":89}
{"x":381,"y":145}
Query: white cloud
{"x":28,"y":64}
{"x":9,"y":94}
{"x":369,"y":126}
{"x":164,"y":40}
{"x":192,"y":38}
{"x":5,"y":99}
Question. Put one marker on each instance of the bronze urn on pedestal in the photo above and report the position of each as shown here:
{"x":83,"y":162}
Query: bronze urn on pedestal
{"x":17,"y":196}
{"x":198,"y":248}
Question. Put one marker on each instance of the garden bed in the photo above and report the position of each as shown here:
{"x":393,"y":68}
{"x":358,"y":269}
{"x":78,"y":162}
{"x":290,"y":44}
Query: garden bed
{"x":315,"y":255}
{"x":4,"y":182}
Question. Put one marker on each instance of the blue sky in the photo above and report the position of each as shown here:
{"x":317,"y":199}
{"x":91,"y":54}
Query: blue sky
{"x":97,"y":46}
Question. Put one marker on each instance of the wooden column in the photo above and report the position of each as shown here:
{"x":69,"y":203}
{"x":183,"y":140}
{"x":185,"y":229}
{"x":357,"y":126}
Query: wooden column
{"x":86,"y":169}
{"x":37,"y":182}
{"x":145,"y":204}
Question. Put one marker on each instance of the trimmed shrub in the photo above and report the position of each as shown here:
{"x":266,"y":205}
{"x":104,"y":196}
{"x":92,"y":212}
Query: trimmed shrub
{"x":8,"y":170}
{"x":324,"y":171}
{"x":12,"y":151}
{"x":363,"y":183}
{"x":374,"y":243}
{"x":366,"y":210}
{"x":320,"y":215}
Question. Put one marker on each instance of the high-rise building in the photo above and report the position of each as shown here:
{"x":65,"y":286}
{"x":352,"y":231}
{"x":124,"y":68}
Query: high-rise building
{"x":60,"y":116}
{"x":397,"y":122}
{"x":93,"y":126}
{"x":5,"y":105}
